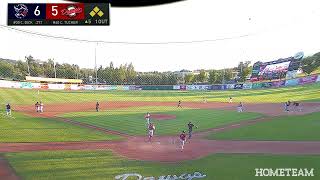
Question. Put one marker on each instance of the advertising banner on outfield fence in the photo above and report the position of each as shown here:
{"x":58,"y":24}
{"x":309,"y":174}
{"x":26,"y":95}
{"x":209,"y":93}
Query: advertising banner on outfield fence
{"x":138,"y":88}
{"x":8,"y":84}
{"x":36,"y":85}
{"x":183,"y":87}
{"x":266,"y":85}
{"x":238,"y":86}
{"x":176,"y":87}
{"x":216,"y":87}
{"x":26,"y":85}
{"x":318,"y":80}
{"x":292,"y":74}
{"x":256,"y":85}
{"x":67,"y":87}
{"x":44,"y":86}
{"x":247,"y":85}
{"x":292,"y":82}
{"x":75,"y":87}
{"x":308,"y":79}
{"x":53,"y":86}
{"x":89,"y":87}
{"x":230,"y":86}
{"x":126,"y":88}
{"x":278,"y":83}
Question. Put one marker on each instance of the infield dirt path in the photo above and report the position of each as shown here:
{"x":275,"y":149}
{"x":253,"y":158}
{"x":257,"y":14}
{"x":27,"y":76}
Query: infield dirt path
{"x":163,"y":148}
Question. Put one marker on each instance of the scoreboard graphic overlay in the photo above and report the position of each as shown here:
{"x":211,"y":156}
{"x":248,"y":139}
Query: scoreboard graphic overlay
{"x":29,"y":14}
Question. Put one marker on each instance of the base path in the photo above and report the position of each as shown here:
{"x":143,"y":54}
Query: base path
{"x":167,"y":148}
{"x":6,"y":172}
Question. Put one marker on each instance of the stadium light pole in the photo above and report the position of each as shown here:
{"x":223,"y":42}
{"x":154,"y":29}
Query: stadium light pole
{"x":54,"y":68}
{"x":27,"y":65}
{"x":95,"y":62}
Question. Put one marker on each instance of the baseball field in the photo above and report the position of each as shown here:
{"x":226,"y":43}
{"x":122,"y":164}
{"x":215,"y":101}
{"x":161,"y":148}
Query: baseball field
{"x":70,"y":140}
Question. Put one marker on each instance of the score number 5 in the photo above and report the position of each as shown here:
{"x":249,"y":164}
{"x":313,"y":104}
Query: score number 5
{"x":54,"y":10}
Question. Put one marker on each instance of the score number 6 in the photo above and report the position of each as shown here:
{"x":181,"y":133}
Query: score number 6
{"x":37,"y":11}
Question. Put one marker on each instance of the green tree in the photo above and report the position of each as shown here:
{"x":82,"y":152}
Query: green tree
{"x":309,"y":64}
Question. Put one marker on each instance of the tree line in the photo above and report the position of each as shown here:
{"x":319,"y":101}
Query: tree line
{"x":125,"y":74}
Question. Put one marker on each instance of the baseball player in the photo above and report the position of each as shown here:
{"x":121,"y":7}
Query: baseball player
{"x":97,"y":106}
{"x":37,"y":106}
{"x":179,"y":104}
{"x":296,"y":106}
{"x":147,"y":116}
{"x":240,"y":107}
{"x":41,"y":106}
{"x":8,"y":109}
{"x":190,"y":127}
{"x":183,"y":138}
{"x":286,"y":106}
{"x":151,"y":128}
{"x":230,"y":99}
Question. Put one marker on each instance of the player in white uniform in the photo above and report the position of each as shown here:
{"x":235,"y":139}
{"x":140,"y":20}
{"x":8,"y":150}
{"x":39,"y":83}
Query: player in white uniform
{"x":151,"y":128}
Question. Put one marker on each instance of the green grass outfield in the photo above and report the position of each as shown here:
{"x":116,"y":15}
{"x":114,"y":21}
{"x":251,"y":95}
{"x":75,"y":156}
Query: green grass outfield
{"x":21,"y":128}
{"x":96,"y":165}
{"x":298,"y":93}
{"x":132,"y":121}
{"x":292,"y":128}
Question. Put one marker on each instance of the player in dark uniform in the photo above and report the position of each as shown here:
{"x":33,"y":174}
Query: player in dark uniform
{"x":8,"y":109}
{"x":97,"y":106}
{"x":190,"y":127}
{"x":179,"y":104}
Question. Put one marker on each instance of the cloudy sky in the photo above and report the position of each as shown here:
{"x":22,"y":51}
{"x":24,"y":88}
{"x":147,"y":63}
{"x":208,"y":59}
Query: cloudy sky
{"x":275,"y":29}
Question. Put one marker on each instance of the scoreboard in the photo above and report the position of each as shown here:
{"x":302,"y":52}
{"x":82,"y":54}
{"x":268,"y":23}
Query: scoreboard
{"x":28,"y":14}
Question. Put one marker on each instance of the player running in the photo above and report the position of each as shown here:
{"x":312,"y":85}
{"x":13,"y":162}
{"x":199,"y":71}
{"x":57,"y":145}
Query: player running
{"x":97,"y":106}
{"x":190,"y":127}
{"x":230,"y":99}
{"x":179,"y":104}
{"x":151,"y":128}
{"x":8,"y":109}
{"x":183,"y":138}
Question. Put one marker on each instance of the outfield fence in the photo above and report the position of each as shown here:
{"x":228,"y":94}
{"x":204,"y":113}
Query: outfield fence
{"x":258,"y":85}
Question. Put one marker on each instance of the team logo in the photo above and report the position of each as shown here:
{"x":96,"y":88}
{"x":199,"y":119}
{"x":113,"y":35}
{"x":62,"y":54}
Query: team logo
{"x":71,"y":11}
{"x":21,"y":11}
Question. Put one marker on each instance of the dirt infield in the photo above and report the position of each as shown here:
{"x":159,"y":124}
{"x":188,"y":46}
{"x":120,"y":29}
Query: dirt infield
{"x":6,"y":172}
{"x":165,"y":148}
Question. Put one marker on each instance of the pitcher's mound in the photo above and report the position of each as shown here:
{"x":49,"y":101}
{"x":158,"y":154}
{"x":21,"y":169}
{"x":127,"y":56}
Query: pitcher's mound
{"x":163,"y":116}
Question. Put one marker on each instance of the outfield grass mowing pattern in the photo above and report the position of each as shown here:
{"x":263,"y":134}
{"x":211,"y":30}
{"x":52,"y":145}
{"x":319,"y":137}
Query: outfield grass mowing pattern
{"x":21,"y":128}
{"x":131,"y":120}
{"x":298,"y":93}
{"x":96,"y":165}
{"x":292,"y":128}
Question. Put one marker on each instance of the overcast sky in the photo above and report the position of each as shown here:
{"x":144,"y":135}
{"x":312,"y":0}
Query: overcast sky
{"x":277,"y":28}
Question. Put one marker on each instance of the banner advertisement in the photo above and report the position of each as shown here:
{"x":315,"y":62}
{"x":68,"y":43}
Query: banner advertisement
{"x":126,"y":88}
{"x":9,"y":84}
{"x":36,"y":85}
{"x":256,"y":85}
{"x":138,"y":88}
{"x":318,"y":80}
{"x":216,"y":87}
{"x":132,"y":88}
{"x":176,"y":87}
{"x":44,"y":86}
{"x":308,"y":79}
{"x":230,"y":86}
{"x":292,"y":82}
{"x":266,"y":85}
{"x":53,"y":86}
{"x":75,"y":87}
{"x":238,"y":86}
{"x":67,"y":87}
{"x":183,"y":87}
{"x":278,"y":83}
{"x":26,"y":85}
{"x":247,"y":86}
{"x":89,"y":87}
